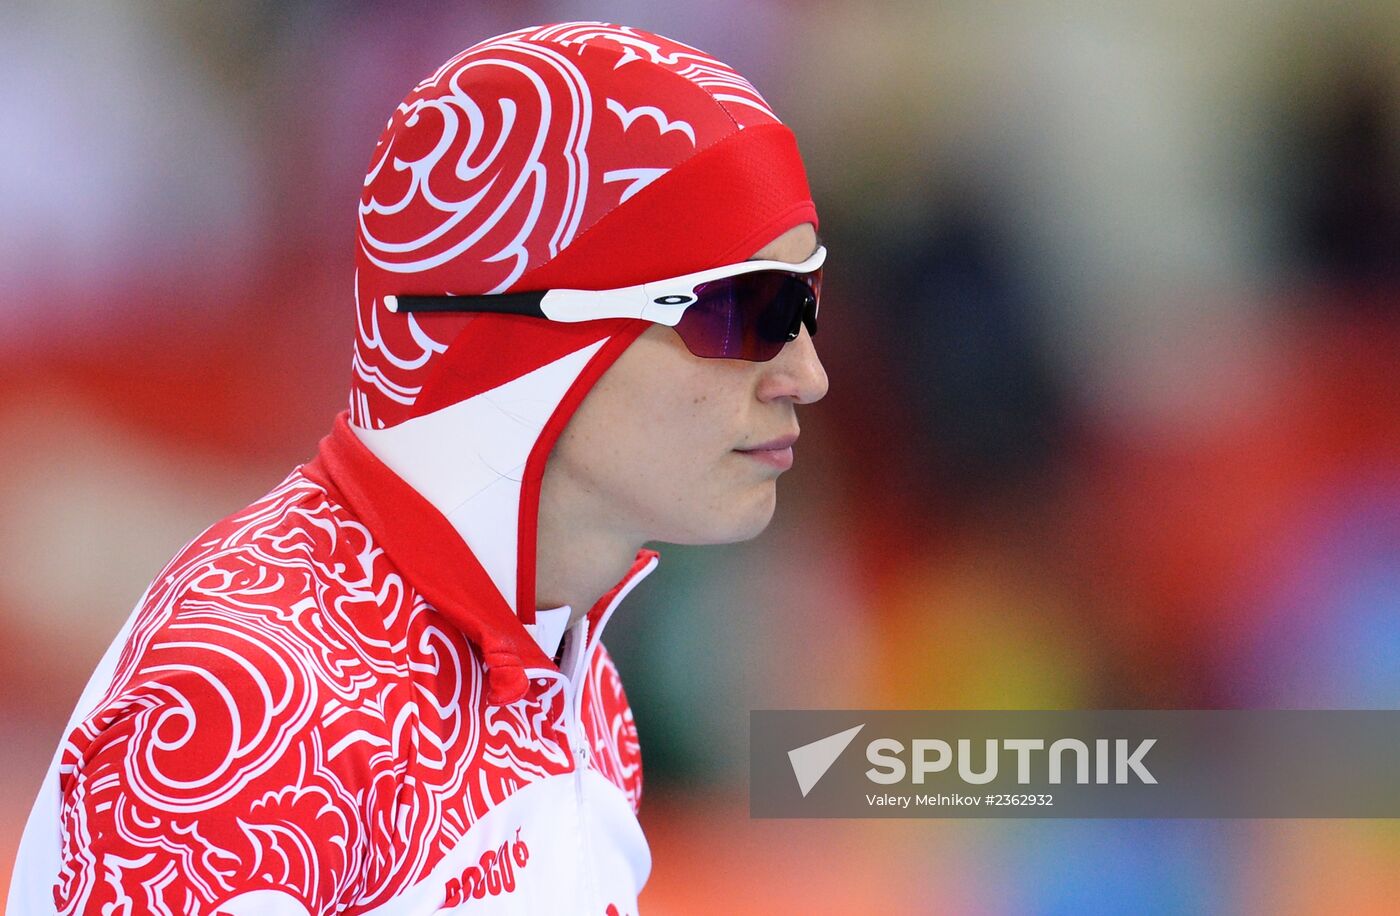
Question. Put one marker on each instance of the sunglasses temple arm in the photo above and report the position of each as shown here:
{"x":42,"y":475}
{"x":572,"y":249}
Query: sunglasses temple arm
{"x":505,"y":303}
{"x":555,"y":304}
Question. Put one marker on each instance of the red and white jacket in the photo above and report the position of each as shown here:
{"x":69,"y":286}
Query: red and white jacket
{"x":343,"y":698}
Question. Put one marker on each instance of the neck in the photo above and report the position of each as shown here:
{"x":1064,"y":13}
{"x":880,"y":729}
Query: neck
{"x":577,"y":559}
{"x":577,"y":566}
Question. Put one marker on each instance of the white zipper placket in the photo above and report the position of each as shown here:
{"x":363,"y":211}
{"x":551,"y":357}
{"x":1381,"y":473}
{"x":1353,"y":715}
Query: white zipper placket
{"x":579,"y":659}
{"x":576,"y":658}
{"x":578,"y":738}
{"x":573,"y":697}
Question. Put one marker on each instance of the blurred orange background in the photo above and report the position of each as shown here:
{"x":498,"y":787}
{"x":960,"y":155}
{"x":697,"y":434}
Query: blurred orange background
{"x":1112,"y":324}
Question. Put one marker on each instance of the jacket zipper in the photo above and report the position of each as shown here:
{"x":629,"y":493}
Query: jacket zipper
{"x":573,"y":714}
{"x":578,"y":742}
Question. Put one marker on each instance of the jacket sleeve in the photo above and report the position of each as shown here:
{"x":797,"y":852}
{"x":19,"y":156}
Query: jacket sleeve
{"x":213,"y":782}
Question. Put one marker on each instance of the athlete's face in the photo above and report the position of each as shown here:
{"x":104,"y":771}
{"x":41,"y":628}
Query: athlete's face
{"x":663,"y":446}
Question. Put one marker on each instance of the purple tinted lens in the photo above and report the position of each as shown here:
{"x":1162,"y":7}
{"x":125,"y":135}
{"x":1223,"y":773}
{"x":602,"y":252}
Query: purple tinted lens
{"x":750,"y":316}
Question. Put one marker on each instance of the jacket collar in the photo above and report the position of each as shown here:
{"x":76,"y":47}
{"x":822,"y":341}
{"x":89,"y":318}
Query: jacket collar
{"x":433,"y":556}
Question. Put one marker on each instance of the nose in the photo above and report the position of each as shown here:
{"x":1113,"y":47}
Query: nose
{"x":795,"y":373}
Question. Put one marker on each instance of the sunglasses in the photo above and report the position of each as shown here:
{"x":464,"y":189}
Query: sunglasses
{"x":744,"y":311}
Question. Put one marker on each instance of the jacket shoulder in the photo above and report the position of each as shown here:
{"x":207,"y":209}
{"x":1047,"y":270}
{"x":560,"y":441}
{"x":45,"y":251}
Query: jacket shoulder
{"x":250,"y":719}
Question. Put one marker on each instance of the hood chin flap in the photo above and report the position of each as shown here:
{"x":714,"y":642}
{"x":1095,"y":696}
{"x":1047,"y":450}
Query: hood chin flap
{"x":453,"y":497}
{"x":469,"y":460}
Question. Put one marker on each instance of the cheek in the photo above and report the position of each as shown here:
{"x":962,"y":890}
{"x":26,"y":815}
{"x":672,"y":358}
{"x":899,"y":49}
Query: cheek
{"x":685,"y":430}
{"x":654,"y":443}
{"x":678,"y":465}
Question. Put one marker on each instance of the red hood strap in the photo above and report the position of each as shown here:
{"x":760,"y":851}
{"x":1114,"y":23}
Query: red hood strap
{"x":431,"y":555}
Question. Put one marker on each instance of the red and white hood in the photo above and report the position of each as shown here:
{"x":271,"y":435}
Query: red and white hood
{"x":582,"y":155}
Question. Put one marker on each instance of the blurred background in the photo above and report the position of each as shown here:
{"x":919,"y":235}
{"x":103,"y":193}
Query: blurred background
{"x":1112,"y":324}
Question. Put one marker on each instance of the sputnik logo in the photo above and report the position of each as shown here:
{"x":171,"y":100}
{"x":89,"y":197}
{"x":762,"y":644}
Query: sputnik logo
{"x":811,"y":761}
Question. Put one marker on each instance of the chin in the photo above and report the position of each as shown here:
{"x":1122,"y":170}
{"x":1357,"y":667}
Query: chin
{"x":738,"y":518}
{"x":747,"y":524}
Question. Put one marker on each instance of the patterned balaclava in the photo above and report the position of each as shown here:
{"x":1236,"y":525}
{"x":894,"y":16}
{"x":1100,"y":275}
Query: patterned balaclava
{"x":582,"y":155}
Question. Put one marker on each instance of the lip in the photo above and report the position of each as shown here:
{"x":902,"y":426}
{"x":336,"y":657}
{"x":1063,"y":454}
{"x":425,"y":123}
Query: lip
{"x":779,"y":443}
{"x":775,"y":452}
